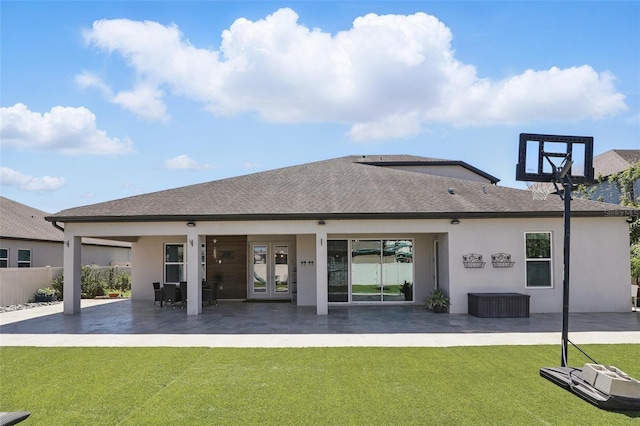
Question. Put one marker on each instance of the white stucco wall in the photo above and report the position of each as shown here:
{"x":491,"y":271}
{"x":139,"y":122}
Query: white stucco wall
{"x":148,"y":264}
{"x":50,"y":253}
{"x":105,"y":255}
{"x":599,"y":263}
{"x":43,"y":253}
{"x":306,"y":251}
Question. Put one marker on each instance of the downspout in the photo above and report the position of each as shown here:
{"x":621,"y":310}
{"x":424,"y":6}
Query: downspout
{"x":55,"y":225}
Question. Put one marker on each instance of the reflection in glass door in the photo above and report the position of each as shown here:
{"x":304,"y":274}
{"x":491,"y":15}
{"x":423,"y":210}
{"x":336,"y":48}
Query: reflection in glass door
{"x":260,"y":272}
{"x":281,"y":269}
{"x":270,"y":271}
{"x":338,"y":270}
{"x":365,"y":271}
{"x":382,"y":270}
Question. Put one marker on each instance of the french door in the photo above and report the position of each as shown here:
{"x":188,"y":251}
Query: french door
{"x":270,"y":271}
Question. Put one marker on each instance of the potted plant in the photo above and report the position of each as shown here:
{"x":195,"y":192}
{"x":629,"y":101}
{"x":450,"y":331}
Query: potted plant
{"x":407,"y":290}
{"x":437,"y":301}
{"x":45,"y":295}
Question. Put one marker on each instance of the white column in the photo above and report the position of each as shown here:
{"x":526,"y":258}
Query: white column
{"x":322,"y":305}
{"x":194,"y":273}
{"x":72,"y":264}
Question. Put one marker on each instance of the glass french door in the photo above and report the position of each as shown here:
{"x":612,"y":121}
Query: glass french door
{"x":270,"y":271}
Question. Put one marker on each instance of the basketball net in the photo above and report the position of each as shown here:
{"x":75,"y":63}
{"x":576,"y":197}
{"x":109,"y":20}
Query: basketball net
{"x":540,"y":190}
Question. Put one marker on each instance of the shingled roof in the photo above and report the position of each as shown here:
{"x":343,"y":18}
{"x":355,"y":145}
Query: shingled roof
{"x":347,"y":187}
{"x":615,"y":161}
{"x":19,"y":221}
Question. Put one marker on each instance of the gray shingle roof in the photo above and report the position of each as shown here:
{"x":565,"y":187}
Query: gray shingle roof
{"x":615,"y":161}
{"x":19,"y":221}
{"x":342,"y":187}
{"x":24,"y":222}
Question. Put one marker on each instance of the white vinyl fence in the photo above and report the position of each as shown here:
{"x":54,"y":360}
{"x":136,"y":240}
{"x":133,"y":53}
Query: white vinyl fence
{"x":18,"y":285}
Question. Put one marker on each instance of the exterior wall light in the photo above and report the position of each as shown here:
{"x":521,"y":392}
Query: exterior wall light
{"x":191,"y":224}
{"x":455,"y":221}
{"x":321,"y":222}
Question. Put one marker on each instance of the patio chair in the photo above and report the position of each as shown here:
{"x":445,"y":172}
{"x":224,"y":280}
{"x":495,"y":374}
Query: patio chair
{"x":157,"y":294}
{"x":170,"y":294}
{"x":183,"y":293}
{"x":634,"y":297}
{"x":209,"y":292}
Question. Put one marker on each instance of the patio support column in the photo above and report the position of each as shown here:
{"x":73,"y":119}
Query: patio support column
{"x":194,"y":273}
{"x":322,"y":305}
{"x":72,"y":264}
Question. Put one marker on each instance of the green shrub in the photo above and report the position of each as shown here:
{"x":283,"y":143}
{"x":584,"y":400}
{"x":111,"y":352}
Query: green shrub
{"x":122,"y":282}
{"x":57,"y":285}
{"x":95,"y":280}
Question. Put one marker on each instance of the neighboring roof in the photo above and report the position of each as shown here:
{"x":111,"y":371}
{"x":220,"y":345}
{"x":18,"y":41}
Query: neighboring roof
{"x":24,"y":222}
{"x":615,"y":161}
{"x":343,"y":187}
{"x":19,"y":221}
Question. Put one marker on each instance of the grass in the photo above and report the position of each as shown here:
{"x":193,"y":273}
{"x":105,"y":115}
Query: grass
{"x":311,"y":386}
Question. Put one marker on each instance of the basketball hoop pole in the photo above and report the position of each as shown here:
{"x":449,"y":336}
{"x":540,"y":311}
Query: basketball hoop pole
{"x":561,"y":175}
{"x":566,"y":184}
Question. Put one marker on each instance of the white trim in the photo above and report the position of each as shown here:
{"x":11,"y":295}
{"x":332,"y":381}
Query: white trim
{"x":550,"y":259}
{"x":6,"y":259}
{"x":270,"y":289}
{"x":19,"y":262}
{"x":183,"y":263}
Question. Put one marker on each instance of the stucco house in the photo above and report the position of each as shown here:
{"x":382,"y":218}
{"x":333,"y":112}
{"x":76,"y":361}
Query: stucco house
{"x":27,"y":240}
{"x":355,"y":230}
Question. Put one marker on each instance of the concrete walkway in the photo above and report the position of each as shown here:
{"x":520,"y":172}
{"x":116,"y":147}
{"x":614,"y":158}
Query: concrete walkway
{"x":122,"y":323}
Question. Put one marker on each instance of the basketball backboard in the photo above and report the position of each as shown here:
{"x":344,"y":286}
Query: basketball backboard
{"x":548,"y":158}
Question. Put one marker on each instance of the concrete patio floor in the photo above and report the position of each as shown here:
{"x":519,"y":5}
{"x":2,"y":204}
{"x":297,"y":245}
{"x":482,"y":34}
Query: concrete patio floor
{"x":236,"y":324}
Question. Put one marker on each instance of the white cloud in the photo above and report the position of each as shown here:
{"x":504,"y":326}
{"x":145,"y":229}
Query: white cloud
{"x":10,"y":177}
{"x":87,"y":79}
{"x":67,"y":130}
{"x":183,"y":162}
{"x":386,"y":76}
{"x":144,"y":100}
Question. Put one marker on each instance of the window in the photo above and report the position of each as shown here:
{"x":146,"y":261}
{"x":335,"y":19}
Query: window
{"x":24,"y":258}
{"x":4,"y":258}
{"x":538,"y":259}
{"x":174,"y":266}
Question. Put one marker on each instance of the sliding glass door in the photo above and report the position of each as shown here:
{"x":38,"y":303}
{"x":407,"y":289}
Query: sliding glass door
{"x":376,"y":271}
{"x":338,"y":270}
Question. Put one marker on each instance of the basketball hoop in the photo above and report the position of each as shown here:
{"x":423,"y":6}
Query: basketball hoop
{"x":540,"y":190}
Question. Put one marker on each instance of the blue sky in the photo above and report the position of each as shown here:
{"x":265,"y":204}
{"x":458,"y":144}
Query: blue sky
{"x":104,"y":100}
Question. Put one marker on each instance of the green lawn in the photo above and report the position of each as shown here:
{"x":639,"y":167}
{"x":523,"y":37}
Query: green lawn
{"x":497,"y":385}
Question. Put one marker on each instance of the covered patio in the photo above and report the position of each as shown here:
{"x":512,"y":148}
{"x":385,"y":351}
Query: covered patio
{"x":136,"y":319}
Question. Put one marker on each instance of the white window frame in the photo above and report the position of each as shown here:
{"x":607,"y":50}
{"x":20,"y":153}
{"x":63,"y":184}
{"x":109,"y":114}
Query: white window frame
{"x":165,"y":263}
{"x":24,"y":263}
{"x":539,"y":259}
{"x":203,"y":260}
{"x":5,"y":258}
